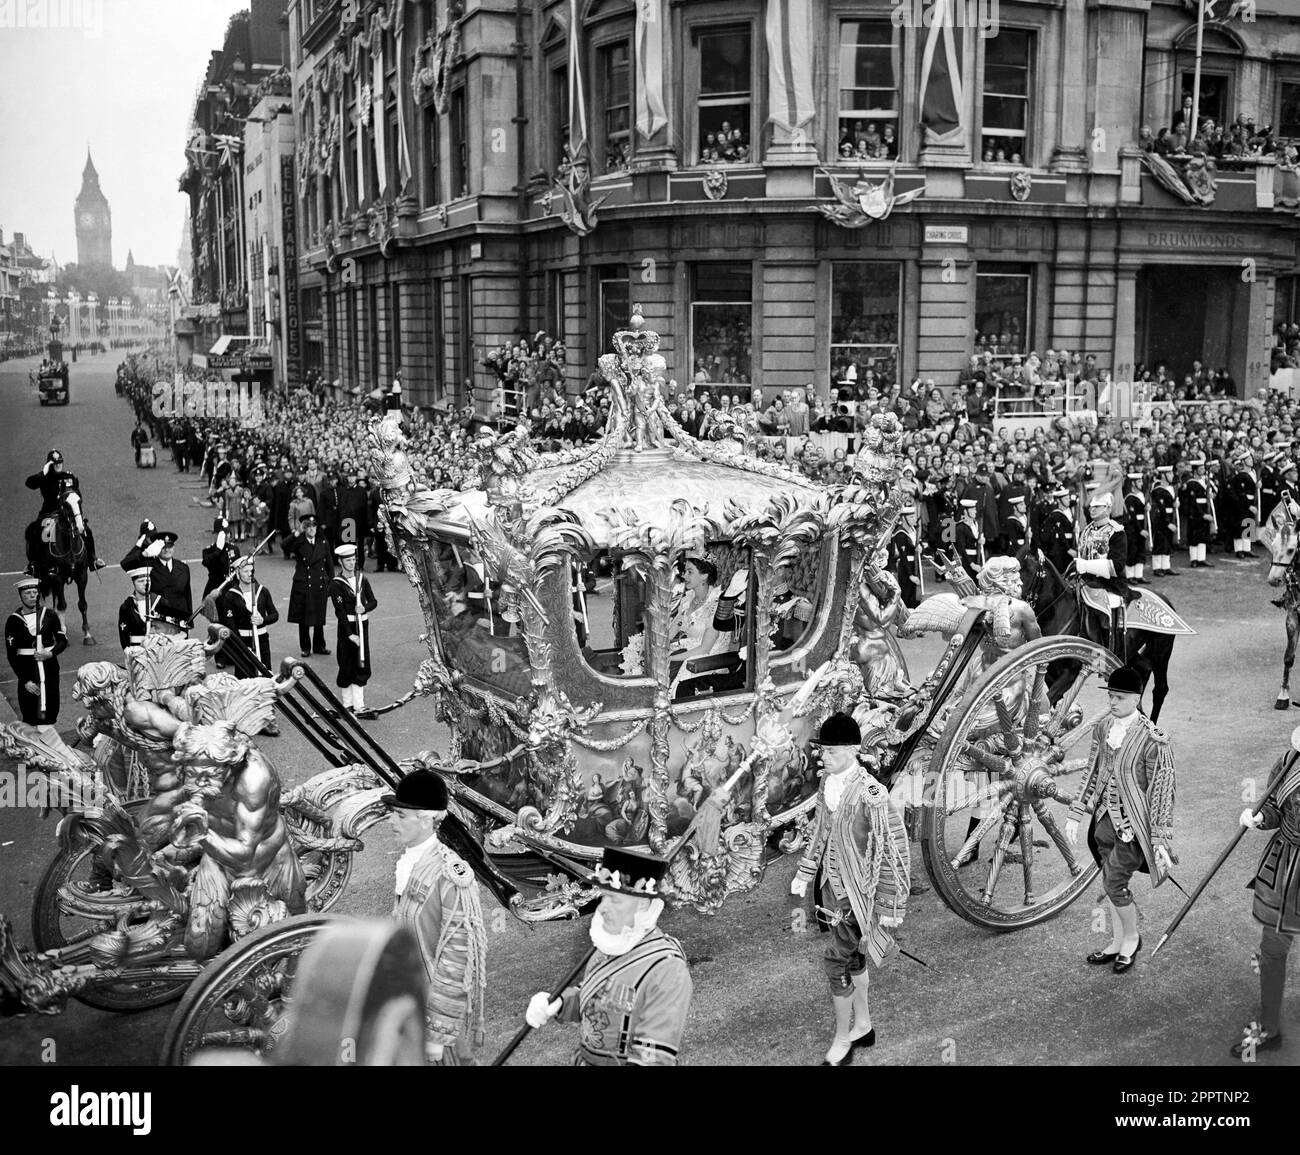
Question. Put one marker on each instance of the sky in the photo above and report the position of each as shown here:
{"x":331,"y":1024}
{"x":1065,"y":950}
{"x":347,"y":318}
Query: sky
{"x":119,"y":76}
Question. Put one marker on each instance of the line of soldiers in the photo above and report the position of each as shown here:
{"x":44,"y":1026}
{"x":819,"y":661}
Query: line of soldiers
{"x":1157,"y":518}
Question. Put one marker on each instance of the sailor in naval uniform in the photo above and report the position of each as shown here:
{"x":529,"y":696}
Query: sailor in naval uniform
{"x":1136,"y":528}
{"x":1164,"y":522}
{"x":1015,"y":527}
{"x":1200,"y":515}
{"x":1057,"y":538}
{"x":905,"y":560}
{"x":635,"y":994}
{"x":438,"y":899}
{"x":135,"y":616}
{"x":1103,"y":553}
{"x":1277,"y":897}
{"x":246,"y":608}
{"x":859,"y":849}
{"x":1244,"y":499}
{"x":969,"y":539}
{"x":353,"y":602}
{"x":34,"y":639}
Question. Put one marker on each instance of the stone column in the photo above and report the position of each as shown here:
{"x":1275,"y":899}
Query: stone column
{"x":1125,"y":355}
{"x":1072,"y":105}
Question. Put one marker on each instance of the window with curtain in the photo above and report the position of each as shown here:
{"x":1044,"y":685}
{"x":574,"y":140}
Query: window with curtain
{"x":459,"y":145}
{"x":869,"y":86}
{"x":429,"y":144}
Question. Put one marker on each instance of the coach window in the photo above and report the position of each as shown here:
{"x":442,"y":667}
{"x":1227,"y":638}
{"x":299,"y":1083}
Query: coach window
{"x":865,"y":300}
{"x":723,"y":61}
{"x":1002,"y":309}
{"x":869,"y":75}
{"x":1005,"y":107}
{"x":608,"y":605}
{"x":722,"y":315}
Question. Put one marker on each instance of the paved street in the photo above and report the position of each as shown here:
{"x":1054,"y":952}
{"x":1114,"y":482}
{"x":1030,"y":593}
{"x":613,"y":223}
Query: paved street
{"x":985,"y":999}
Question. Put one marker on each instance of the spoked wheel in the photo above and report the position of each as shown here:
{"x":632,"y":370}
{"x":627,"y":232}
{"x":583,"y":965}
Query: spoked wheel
{"x":1001,"y":779}
{"x":240,"y":998}
{"x":55,"y":925}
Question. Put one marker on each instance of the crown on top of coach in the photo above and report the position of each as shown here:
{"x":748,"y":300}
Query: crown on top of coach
{"x":636,"y":341}
{"x":877,"y":455}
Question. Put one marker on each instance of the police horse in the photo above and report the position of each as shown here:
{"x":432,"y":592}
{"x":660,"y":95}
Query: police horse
{"x":1152,"y":624}
{"x":60,"y":553}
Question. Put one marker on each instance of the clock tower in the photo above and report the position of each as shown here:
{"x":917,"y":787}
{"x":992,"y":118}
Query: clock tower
{"x":94,"y":221}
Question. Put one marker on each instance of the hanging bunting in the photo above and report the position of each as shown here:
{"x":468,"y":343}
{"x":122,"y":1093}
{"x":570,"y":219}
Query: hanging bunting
{"x":941,"y":85}
{"x":651,"y":114}
{"x":789,"y":54}
{"x":577,"y":97}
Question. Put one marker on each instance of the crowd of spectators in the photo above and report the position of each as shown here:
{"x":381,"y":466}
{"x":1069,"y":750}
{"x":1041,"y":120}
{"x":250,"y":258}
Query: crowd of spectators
{"x":867,"y":140}
{"x":728,"y":143}
{"x":1226,"y":144}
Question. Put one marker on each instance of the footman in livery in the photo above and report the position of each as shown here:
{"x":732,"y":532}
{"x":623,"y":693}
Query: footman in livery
{"x":635,"y":995}
{"x":859,"y":851}
{"x":1128,"y":795}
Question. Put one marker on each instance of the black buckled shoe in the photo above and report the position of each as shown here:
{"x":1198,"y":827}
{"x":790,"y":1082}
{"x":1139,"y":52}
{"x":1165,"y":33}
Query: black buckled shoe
{"x":1253,"y":1041}
{"x":1102,"y":957}
{"x":1124,"y":962}
{"x":867,"y":1040}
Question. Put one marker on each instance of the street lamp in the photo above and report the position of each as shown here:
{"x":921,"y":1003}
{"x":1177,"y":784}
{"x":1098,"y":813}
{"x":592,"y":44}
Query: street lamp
{"x":92,"y":303}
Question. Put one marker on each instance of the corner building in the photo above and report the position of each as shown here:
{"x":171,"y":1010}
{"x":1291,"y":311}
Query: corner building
{"x":433,"y":187}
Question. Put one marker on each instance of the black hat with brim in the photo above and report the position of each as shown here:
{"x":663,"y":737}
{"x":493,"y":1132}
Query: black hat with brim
{"x":1125,"y":680}
{"x":840,"y":730}
{"x":419,"y":790}
{"x":167,"y":536}
{"x":629,"y":873}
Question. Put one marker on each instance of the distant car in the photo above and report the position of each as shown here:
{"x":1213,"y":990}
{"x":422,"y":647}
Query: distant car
{"x":52,"y":386}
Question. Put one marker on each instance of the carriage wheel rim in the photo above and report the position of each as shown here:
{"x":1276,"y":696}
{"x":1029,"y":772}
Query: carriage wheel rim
{"x":1046,"y":763}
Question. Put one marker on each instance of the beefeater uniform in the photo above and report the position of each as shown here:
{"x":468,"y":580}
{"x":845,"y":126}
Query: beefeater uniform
{"x":1058,"y":540}
{"x":24,"y":630}
{"x":1277,"y":887}
{"x":134,"y":619}
{"x":1129,"y":794}
{"x":633,"y":1006}
{"x":235,"y":606}
{"x":354,"y":602}
{"x":439,"y":902}
{"x":860,"y":845}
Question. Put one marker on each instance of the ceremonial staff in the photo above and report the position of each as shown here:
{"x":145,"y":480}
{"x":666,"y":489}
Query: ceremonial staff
{"x":760,"y":750}
{"x":1223,"y":857}
{"x":216,"y":593}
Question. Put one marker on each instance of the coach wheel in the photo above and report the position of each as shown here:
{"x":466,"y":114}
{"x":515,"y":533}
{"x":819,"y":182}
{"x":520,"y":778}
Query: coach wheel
{"x":54,"y":926}
{"x":240,"y":998}
{"x":1000,"y":782}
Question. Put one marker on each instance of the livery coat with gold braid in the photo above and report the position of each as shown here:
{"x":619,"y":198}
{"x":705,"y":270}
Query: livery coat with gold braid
{"x":633,"y":1006}
{"x":1277,"y":878}
{"x":1143,"y":767}
{"x":440,"y":903}
{"x":862,"y":848}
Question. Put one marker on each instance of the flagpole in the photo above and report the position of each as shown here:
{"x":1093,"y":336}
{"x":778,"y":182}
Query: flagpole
{"x":1196,"y":76}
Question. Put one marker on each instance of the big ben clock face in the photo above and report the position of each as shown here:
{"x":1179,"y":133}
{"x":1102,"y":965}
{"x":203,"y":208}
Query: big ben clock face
{"x":87,"y":219}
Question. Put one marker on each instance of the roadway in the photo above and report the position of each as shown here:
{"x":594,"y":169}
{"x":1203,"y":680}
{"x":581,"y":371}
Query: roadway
{"x":985,"y":999}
